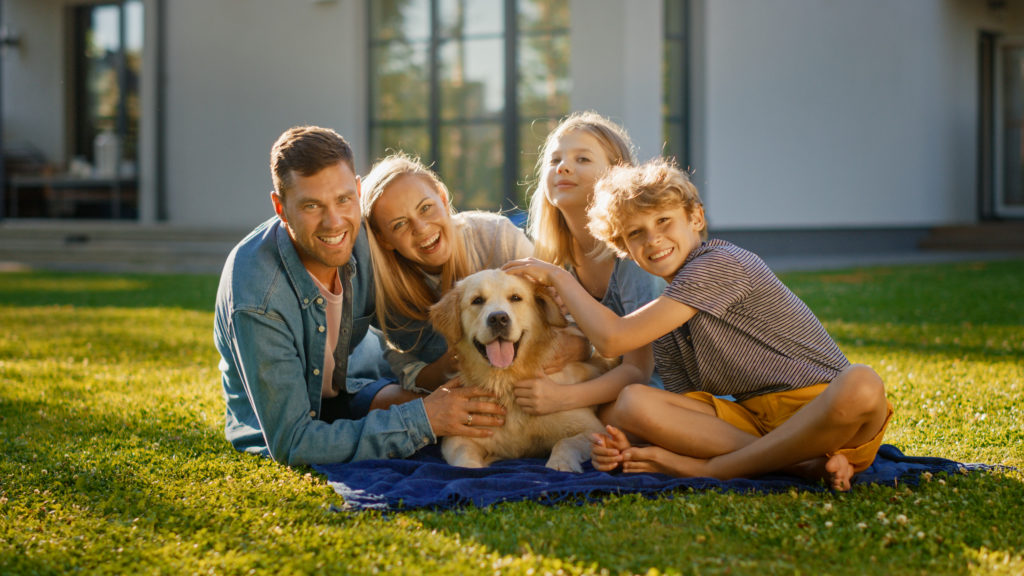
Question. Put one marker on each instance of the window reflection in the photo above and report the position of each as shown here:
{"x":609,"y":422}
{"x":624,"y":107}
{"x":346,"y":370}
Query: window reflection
{"x":1013,"y":125}
{"x":460,"y":18}
{"x":400,"y":85}
{"x":413,"y":139}
{"x":472,"y":156}
{"x":439,"y":89}
{"x":472,"y":78}
{"x":543,"y":15}
{"x":544,"y":75}
{"x":400,"y":19}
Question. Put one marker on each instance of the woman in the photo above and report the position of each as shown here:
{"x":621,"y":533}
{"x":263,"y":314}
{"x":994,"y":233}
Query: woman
{"x":420,"y":248}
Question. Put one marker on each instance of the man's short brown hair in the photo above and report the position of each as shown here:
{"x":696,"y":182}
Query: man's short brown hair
{"x":307,"y":150}
{"x":625,"y":191}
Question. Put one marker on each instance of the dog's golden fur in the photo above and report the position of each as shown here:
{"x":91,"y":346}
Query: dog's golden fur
{"x":475,"y":316}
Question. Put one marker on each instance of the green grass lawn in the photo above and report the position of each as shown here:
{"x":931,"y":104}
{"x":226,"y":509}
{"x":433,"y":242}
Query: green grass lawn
{"x":114,"y":460}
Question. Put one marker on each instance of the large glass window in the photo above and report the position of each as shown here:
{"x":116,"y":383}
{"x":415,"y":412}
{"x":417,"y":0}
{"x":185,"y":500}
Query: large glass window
{"x":470,"y":86}
{"x":674,"y":81}
{"x":108,"y":51}
{"x":107,"y":48}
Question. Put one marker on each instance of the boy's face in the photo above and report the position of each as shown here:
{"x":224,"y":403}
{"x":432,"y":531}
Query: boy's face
{"x":660,"y":240}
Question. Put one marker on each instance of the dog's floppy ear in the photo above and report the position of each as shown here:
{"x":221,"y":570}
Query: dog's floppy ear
{"x":445,"y":317}
{"x":549,"y":308}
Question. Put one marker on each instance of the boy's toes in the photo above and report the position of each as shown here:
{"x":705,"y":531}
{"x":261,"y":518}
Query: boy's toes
{"x":840,"y":471}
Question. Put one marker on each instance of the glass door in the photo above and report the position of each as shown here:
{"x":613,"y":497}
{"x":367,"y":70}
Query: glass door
{"x":1009,"y":110}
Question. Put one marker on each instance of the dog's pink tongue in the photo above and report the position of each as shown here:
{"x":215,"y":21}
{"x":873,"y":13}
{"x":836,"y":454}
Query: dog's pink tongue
{"x":500,"y":353}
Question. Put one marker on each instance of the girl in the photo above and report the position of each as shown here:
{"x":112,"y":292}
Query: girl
{"x":420,"y":248}
{"x":574,"y":156}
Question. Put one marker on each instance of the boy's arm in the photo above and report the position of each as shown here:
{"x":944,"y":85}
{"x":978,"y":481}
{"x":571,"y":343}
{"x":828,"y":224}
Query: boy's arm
{"x":610,"y":334}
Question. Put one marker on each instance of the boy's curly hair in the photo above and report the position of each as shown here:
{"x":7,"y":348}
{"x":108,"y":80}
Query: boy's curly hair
{"x":625,"y":191}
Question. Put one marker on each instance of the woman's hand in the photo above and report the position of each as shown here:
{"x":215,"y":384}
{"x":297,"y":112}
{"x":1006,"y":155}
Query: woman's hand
{"x":454,"y":410}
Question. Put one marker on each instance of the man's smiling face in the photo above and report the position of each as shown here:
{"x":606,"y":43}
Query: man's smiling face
{"x":321,"y":213}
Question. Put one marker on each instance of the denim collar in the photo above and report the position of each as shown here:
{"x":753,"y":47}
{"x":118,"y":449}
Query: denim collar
{"x":296,"y":271}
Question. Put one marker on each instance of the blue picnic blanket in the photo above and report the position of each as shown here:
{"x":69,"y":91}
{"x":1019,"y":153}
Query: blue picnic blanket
{"x":426,"y":481}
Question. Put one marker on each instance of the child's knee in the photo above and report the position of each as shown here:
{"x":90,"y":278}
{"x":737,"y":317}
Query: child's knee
{"x":628,"y":405}
{"x":861,"y":389}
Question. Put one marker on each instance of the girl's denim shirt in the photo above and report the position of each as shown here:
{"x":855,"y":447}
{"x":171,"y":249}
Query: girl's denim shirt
{"x":269,"y":328}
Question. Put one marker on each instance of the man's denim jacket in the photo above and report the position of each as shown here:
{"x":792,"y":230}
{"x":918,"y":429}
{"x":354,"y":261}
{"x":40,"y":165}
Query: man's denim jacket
{"x":269,"y":330}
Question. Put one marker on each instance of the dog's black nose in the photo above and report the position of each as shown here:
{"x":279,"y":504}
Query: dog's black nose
{"x":497,"y":320}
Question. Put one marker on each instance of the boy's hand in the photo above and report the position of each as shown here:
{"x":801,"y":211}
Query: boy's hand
{"x":607,"y":449}
{"x":539,"y":271}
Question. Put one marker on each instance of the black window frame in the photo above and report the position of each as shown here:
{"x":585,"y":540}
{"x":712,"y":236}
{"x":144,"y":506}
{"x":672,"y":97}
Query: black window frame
{"x":676,"y":127}
{"x":513,"y":190}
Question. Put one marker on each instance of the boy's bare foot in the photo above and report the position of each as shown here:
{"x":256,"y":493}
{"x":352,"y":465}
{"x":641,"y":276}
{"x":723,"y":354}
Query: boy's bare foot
{"x":840,"y":471}
{"x":657,"y":459}
{"x":836,"y":471}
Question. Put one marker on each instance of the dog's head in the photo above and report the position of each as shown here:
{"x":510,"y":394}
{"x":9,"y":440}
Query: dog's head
{"x":496,"y":314}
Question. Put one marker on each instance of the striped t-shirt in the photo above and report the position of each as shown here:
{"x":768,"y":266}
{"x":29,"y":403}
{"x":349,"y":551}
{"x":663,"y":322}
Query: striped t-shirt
{"x":750,"y":336}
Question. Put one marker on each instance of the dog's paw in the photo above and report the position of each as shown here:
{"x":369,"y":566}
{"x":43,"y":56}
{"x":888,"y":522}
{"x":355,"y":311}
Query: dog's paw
{"x":468,"y":463}
{"x":564,"y":464}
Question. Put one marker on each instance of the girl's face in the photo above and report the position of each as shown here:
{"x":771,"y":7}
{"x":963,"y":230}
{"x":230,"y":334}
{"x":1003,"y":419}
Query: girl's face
{"x":661,"y":240}
{"x":412,"y":218}
{"x":575,"y":163}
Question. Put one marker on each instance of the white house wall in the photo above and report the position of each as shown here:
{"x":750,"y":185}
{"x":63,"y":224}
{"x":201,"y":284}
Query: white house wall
{"x":615,"y":65}
{"x":237,"y":74}
{"x":804,"y":113}
{"x":33,"y":101}
{"x":820,"y":114}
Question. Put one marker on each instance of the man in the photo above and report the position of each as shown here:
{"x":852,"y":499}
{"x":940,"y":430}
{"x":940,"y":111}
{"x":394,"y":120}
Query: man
{"x":296,"y":298}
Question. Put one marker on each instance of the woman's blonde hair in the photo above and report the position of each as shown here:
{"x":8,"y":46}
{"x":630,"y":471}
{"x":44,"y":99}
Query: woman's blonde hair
{"x":625,"y":191}
{"x":552,"y":240}
{"x":400,"y":285}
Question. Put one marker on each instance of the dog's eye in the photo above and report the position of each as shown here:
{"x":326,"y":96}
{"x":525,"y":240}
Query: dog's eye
{"x":478,"y":300}
{"x":515,"y":298}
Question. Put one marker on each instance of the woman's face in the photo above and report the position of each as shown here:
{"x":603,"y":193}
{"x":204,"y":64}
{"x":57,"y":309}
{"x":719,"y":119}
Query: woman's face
{"x":412,"y":218}
{"x":575,"y":163}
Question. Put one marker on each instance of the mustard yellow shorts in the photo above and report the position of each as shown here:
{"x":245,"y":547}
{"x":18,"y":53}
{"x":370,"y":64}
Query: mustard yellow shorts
{"x":762,"y":414}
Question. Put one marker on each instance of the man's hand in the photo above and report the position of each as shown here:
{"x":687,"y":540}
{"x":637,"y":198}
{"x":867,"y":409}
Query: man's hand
{"x":457,"y":411}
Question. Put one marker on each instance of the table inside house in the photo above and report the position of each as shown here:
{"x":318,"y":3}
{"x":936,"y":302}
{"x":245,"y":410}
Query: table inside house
{"x":71,"y":196}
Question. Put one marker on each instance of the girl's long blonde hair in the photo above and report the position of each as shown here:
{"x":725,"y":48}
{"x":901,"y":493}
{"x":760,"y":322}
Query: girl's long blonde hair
{"x":400,"y":286}
{"x":552,"y":240}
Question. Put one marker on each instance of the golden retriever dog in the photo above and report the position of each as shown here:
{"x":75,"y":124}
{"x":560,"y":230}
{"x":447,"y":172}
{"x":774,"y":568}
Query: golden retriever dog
{"x":503,"y":328}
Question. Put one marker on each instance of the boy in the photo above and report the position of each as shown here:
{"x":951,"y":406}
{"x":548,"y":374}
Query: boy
{"x":725,"y":325}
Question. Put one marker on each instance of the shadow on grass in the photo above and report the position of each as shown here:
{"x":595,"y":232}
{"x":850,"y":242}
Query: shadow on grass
{"x":952,"y":521}
{"x":184,"y":291}
{"x":124,"y":468}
